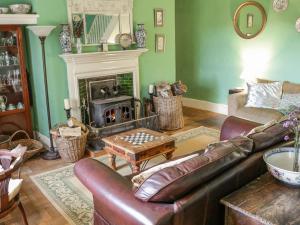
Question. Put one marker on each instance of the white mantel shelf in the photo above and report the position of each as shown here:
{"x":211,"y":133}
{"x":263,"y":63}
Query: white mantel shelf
{"x":97,"y":65}
{"x":19,"y":19}
{"x":102,"y":56}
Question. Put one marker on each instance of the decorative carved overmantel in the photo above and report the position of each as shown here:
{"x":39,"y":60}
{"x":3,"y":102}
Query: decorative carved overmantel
{"x":97,"y":64}
{"x":100,"y":6}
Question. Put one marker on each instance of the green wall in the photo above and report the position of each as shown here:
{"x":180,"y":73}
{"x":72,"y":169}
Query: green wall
{"x":211,"y":57}
{"x":154,"y":67}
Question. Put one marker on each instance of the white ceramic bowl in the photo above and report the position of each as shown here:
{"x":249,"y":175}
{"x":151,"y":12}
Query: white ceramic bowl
{"x":4,"y":10}
{"x":20,"y":8}
{"x":280,"y":164}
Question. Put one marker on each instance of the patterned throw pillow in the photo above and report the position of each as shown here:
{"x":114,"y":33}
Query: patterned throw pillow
{"x":288,"y":103}
{"x":264,"y":95}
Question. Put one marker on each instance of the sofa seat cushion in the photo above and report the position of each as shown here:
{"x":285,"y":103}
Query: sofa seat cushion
{"x":269,"y":137}
{"x":171,"y":183}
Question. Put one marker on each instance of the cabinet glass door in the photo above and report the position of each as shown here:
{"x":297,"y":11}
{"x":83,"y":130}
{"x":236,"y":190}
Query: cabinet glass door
{"x":11,"y":91}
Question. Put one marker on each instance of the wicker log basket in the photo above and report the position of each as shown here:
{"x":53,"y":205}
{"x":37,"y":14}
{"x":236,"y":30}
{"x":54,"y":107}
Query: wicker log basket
{"x":71,"y":149}
{"x":170,"y":112}
{"x":33,"y":146}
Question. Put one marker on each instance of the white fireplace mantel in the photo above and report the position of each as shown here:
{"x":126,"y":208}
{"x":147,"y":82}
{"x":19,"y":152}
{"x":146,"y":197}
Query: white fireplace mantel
{"x":97,"y":64}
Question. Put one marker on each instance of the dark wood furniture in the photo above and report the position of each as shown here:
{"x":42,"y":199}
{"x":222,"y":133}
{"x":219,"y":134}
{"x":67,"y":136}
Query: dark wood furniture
{"x":235,"y":91}
{"x":10,"y":162}
{"x":13,"y":81}
{"x":263,"y":201}
{"x":137,"y":154}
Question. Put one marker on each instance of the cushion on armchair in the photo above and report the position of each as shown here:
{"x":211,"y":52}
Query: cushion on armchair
{"x":264,"y":95}
{"x":171,"y":183}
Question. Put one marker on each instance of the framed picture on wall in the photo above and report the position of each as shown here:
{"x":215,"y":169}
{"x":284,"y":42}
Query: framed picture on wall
{"x":158,"y":17}
{"x":160,"y":43}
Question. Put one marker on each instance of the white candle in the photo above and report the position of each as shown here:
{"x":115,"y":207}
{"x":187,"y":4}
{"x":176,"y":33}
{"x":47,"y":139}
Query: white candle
{"x":67,"y":103}
{"x":151,"y":89}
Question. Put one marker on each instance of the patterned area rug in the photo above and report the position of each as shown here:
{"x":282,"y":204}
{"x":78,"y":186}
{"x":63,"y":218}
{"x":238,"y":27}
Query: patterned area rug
{"x":75,"y":202}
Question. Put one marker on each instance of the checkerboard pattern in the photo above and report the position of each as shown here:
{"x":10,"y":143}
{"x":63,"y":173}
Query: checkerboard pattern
{"x":139,"y":138}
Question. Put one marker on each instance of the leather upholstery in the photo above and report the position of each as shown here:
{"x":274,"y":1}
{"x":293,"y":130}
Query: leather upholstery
{"x":269,"y":137}
{"x":233,"y":127}
{"x":115,"y":203}
{"x":172,"y":183}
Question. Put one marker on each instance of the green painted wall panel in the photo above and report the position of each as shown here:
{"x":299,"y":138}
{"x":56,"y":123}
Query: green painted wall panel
{"x":154,"y":67}
{"x":211,"y":57}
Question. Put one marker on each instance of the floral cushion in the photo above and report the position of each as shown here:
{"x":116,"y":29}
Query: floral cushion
{"x":289,"y":102}
{"x":264,"y":95}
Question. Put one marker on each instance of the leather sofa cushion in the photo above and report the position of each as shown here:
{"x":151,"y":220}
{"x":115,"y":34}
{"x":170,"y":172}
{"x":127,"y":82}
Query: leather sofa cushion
{"x":269,"y":137}
{"x":170,"y":184}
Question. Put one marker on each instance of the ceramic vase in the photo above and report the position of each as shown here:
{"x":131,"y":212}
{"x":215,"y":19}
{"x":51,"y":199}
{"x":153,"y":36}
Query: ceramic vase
{"x":140,"y":36}
{"x":65,"y":39}
{"x":78,"y":45}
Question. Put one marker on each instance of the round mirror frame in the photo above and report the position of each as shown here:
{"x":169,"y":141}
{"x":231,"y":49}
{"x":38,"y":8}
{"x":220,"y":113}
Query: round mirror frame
{"x":237,"y":14}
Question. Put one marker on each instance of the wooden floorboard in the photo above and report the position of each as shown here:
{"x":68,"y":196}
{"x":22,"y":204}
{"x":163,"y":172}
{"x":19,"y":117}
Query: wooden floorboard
{"x":41,"y":212}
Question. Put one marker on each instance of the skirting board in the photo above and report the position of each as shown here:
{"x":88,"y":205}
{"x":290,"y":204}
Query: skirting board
{"x":204,"y":105}
{"x":42,"y":138}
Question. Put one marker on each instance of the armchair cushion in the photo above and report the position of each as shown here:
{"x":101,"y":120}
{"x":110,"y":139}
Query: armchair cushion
{"x":14,"y":187}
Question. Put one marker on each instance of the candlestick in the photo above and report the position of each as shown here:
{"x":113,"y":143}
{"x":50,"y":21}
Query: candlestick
{"x":67,"y":104}
{"x":68,"y":113}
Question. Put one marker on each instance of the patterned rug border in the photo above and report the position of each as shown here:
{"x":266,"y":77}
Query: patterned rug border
{"x":47,"y":195}
{"x":181,"y":136}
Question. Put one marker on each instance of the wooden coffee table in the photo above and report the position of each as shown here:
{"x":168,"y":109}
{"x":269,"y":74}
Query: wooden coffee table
{"x":138,"y":146}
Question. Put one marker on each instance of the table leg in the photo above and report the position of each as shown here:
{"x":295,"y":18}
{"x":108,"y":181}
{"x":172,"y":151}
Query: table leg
{"x":169,"y":155}
{"x":112,"y":161}
{"x":136,"y":167}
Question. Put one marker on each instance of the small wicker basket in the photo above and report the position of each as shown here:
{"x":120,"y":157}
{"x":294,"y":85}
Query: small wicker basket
{"x":4,"y":141}
{"x":71,"y":149}
{"x":170,"y":112}
{"x":33,"y":146}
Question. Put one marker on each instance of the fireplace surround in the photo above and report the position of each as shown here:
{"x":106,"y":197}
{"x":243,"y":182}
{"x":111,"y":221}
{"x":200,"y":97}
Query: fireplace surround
{"x":97,"y":65}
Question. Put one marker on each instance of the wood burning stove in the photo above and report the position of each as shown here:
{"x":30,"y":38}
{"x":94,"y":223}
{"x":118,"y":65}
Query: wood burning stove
{"x":111,"y":111}
{"x":107,"y":103}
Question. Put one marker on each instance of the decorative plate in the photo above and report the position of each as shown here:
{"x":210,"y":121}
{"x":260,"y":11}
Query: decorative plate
{"x":298,"y":25}
{"x":280,"y":5}
{"x":125,"y":40}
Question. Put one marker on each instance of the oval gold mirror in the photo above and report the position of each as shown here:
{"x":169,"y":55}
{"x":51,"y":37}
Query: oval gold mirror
{"x":249,"y":19}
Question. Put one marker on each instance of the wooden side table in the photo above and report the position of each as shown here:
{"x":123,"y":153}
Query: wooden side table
{"x":235,"y":91}
{"x":263,"y":201}
{"x":138,"y":146}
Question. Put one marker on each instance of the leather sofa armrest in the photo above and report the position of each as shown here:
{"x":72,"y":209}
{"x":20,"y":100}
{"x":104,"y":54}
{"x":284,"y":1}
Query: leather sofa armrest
{"x":114,"y":199}
{"x":233,"y":127}
{"x":236,"y":101}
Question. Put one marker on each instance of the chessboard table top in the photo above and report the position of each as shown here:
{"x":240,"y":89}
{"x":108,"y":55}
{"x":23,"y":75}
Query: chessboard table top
{"x":119,"y":140}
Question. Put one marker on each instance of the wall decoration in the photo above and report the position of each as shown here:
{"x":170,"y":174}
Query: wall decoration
{"x":298,"y":25}
{"x":158,"y":17}
{"x":280,"y":5}
{"x":160,"y":42}
{"x":140,"y":36}
{"x":249,"y":19}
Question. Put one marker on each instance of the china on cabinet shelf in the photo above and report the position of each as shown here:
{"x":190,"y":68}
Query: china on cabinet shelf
{"x":15,"y":105}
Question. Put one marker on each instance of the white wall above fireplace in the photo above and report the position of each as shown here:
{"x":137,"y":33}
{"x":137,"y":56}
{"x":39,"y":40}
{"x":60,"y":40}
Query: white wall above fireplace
{"x":97,"y":64}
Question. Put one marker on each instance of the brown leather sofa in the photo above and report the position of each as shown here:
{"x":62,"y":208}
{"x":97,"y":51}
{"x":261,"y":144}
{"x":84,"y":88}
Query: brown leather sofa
{"x":189,"y":199}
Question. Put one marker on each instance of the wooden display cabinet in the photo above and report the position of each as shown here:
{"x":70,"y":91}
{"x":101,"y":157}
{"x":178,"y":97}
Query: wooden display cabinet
{"x":14,"y":94}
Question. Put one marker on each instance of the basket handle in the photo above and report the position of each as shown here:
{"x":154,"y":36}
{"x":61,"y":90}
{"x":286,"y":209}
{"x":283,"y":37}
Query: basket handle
{"x":17,"y":132}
